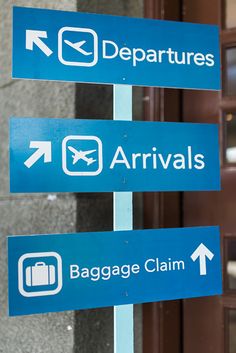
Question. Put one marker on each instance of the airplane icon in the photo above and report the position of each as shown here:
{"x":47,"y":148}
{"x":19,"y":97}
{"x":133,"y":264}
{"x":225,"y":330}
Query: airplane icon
{"x":77,"y":155}
{"x":77,"y":46}
{"x":82,"y":155}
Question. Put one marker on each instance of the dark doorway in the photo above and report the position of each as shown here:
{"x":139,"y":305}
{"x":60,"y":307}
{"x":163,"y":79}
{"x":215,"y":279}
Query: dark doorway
{"x":204,"y":324}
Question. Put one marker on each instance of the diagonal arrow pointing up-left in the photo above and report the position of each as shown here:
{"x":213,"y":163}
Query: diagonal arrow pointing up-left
{"x":44,"y":148}
{"x":34,"y":38}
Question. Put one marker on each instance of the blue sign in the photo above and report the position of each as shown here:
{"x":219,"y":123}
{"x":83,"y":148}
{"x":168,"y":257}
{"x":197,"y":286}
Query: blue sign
{"x":81,"y":47}
{"x":88,"y":270}
{"x":72,"y":155}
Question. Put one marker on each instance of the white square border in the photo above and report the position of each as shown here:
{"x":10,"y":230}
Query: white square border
{"x":20,"y":274}
{"x":77,"y":63}
{"x":64,"y":155}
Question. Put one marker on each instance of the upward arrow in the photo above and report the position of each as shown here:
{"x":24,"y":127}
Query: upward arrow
{"x":33,"y":37}
{"x":202,"y":252}
{"x":44,"y":148}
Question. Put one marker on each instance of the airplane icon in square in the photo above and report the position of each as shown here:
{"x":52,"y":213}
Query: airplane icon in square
{"x":82,"y":155}
{"x":77,"y":46}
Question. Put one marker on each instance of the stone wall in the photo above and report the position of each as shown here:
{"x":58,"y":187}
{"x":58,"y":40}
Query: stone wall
{"x":86,"y":331}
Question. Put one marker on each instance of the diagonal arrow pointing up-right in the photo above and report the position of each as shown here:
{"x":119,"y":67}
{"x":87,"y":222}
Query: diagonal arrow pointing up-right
{"x":44,"y":149}
{"x":202,"y":252}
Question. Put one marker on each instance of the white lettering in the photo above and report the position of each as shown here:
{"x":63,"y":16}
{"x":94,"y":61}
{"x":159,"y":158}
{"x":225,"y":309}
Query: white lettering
{"x":163,"y":266}
{"x":170,"y":56}
{"x":119,"y":161}
{"x":94,"y":273}
{"x":179,"y":162}
{"x":85,"y":273}
{"x":189,"y":157}
{"x":165,"y":163}
{"x":151,"y":56}
{"x":155,"y":160}
{"x":134,"y":157}
{"x":135,"y":269}
{"x":160,"y":53}
{"x":104,"y":49}
{"x":104,"y":273}
{"x":145,"y":157}
{"x":200,"y":164}
{"x":155,"y":265}
{"x":189,"y":57}
{"x":115,"y":271}
{"x":179,"y":264}
{"x":179,"y":61}
{"x":199,"y":59}
{"x":125,"y":270}
{"x":149,"y":268}
{"x":74,"y":271}
{"x":210,"y":60}
{"x":125,"y":53}
{"x":111,"y":50}
{"x":137,"y":57}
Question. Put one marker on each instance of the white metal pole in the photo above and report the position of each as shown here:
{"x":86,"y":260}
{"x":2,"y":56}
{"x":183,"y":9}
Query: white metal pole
{"x":123,"y":220}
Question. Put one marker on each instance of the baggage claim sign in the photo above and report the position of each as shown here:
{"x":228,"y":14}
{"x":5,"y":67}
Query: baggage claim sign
{"x":83,"y":270}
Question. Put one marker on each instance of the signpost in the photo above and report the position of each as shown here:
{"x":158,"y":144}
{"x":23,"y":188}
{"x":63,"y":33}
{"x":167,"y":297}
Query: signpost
{"x":123,"y":220}
{"x":88,"y":270}
{"x":64,"y":272}
{"x":81,"y":47}
{"x":72,"y":155}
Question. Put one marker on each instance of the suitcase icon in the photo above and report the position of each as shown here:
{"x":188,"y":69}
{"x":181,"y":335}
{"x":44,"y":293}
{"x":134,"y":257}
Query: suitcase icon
{"x":40,"y":275}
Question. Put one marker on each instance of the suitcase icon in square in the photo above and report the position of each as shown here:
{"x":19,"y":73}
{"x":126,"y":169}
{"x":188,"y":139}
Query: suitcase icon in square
{"x":39,"y":274}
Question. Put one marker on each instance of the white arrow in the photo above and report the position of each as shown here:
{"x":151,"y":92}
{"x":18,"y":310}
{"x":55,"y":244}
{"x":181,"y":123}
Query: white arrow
{"x":202,"y":252}
{"x":33,"y":37}
{"x":44,"y":148}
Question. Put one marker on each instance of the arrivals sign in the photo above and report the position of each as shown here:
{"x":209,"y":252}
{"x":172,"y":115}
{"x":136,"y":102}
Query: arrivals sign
{"x":88,"y":270}
{"x":81,"y":47}
{"x":72,"y":155}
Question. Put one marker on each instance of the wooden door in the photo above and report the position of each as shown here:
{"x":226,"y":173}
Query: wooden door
{"x":207,"y":324}
{"x":162,"y":325}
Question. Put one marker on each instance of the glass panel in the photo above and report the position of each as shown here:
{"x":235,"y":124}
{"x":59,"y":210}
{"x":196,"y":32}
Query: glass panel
{"x":230,"y":126}
{"x":231,"y":264}
{"x":232,"y":331}
{"x":230,"y":86}
{"x":230,"y":14}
